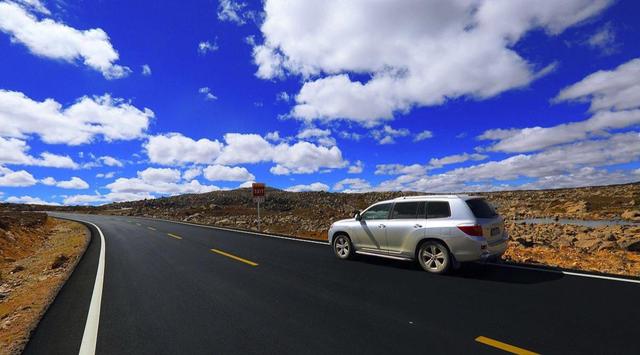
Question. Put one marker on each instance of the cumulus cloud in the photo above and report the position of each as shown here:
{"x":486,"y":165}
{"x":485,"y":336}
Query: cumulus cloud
{"x":74,"y":183}
{"x":227,"y":173}
{"x":614,"y":97}
{"x":356,"y":168}
{"x":21,"y":178}
{"x":316,"y":186}
{"x":454,"y":159}
{"x":29,"y":200}
{"x":153,"y":181}
{"x":110,"y":161}
{"x":55,"y":40}
{"x":191,"y":173}
{"x":14,"y":151}
{"x":425,"y":54}
{"x":176,"y":149}
{"x":146,"y":70}
{"x":80,"y":123}
{"x":388,"y":134}
{"x":352,"y":185}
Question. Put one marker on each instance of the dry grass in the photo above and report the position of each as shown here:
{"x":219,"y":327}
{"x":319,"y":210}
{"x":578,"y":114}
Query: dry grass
{"x":46,"y":261}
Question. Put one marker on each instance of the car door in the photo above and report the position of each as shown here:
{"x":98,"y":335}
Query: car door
{"x":406,"y":225}
{"x":371,"y":235}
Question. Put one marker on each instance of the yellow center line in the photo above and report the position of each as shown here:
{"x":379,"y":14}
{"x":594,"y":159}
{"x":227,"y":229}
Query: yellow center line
{"x":174,"y":236}
{"x":504,"y":346}
{"x":151,"y":228}
{"x":237,"y":258}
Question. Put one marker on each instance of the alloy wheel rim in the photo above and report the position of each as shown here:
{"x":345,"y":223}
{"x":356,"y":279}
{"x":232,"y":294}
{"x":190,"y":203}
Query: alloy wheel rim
{"x":342,"y":247}
{"x":433,"y":257}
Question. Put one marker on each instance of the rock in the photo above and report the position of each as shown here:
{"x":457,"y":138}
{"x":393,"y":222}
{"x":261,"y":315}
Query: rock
{"x":631,"y":215}
{"x":59,"y":261}
{"x":587,"y":244}
{"x":633,"y":246}
{"x":525,"y":242}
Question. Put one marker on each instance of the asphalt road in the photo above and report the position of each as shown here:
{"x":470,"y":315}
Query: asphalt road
{"x":166,"y":292}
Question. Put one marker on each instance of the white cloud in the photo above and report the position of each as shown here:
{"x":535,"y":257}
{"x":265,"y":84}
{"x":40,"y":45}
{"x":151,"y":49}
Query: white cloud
{"x":112,"y":118}
{"x":387,"y":134}
{"x":604,"y":40}
{"x":51,"y":39}
{"x":226,"y":173}
{"x":146,"y":70}
{"x":321,"y":136}
{"x":176,"y":149}
{"x":454,"y":159}
{"x":49,"y":181}
{"x":110,"y":161}
{"x":19,"y":178}
{"x":617,"y":89}
{"x":106,"y":198}
{"x":563,"y":164}
{"x":34,"y":6}
{"x":298,"y":158}
{"x":75,"y":183}
{"x":208,"y":95}
{"x":191,"y":173}
{"x":29,"y":200}
{"x":352,"y":186}
{"x":246,"y":184}
{"x":14,"y":151}
{"x":108,"y":175}
{"x":162,"y":175}
{"x":400,"y":169}
{"x":423,"y":55}
{"x":205,"y":47}
{"x":233,"y":11}
{"x":316,"y":186}
{"x":283,"y":96}
{"x":356,"y":168}
{"x":615,"y":100}
{"x":423,"y":136}
{"x":152,"y":182}
{"x":273,"y":136}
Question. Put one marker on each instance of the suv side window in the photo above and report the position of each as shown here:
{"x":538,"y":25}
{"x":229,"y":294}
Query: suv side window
{"x":438,"y":209}
{"x":408,"y":210}
{"x":377,"y":212}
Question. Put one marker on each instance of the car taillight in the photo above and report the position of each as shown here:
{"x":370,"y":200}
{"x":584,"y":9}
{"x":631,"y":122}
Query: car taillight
{"x":475,"y":231}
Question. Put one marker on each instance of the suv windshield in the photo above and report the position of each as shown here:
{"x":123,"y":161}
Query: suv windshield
{"x":481,"y":208}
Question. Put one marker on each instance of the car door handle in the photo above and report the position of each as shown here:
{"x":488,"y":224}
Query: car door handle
{"x":418,"y":226}
{"x":382,"y":226}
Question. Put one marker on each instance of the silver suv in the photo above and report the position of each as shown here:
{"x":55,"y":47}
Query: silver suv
{"x":440,"y":231}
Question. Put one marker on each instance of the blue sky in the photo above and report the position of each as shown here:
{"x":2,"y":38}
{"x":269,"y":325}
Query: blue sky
{"x":117,"y":100}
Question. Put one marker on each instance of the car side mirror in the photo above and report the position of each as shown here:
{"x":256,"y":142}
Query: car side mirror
{"x":358,"y":216}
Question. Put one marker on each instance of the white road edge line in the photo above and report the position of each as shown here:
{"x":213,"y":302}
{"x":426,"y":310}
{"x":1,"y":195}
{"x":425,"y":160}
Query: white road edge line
{"x":90,"y":335}
{"x":571,"y":273}
{"x":238,"y":231}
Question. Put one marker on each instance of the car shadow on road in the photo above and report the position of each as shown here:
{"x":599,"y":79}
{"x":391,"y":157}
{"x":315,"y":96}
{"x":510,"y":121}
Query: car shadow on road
{"x":477,"y":271}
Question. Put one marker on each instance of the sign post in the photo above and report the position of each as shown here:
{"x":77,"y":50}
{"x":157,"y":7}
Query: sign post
{"x":258,"y":196}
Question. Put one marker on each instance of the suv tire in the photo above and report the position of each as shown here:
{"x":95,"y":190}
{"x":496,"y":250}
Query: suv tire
{"x":342,"y":247}
{"x":434,"y":257}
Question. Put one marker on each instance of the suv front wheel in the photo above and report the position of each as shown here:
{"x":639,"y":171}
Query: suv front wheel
{"x":434,"y":257}
{"x":342,"y":246}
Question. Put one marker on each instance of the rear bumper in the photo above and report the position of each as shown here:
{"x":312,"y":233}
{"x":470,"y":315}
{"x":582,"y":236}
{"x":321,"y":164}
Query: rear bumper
{"x":475,"y":250}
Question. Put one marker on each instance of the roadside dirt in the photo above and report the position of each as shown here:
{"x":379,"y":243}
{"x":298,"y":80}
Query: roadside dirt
{"x":37,"y":255}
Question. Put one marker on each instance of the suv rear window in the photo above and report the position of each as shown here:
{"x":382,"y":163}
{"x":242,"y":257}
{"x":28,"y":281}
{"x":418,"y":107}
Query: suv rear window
{"x":438,"y":209}
{"x":481,"y":208}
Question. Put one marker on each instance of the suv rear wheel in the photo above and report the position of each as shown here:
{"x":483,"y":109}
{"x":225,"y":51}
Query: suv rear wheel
{"x":342,"y":246}
{"x":434,"y":257}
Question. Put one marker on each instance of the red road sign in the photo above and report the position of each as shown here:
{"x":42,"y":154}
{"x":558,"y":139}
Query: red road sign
{"x":258,"y":189}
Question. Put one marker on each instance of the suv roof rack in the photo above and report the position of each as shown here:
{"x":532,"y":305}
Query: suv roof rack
{"x":433,"y":195}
